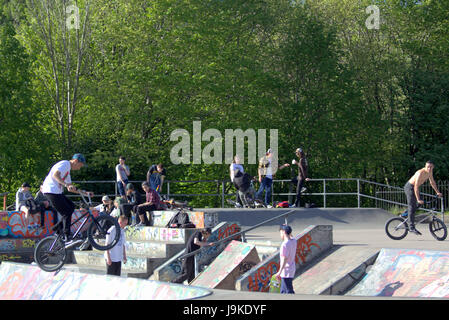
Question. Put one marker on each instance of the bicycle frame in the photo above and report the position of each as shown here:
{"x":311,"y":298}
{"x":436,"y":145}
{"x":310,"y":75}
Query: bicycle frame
{"x":432,"y":212}
{"x":86,"y":217}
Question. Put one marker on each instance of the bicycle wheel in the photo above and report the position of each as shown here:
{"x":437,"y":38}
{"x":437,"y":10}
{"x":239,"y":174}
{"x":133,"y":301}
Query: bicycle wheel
{"x":396,"y":228}
{"x":99,"y":229}
{"x":50,"y":254}
{"x":438,"y":229}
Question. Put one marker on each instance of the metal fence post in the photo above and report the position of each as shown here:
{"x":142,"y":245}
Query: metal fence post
{"x":168,"y":190}
{"x":222,"y":193}
{"x":358,"y":193}
{"x":324,"y":193}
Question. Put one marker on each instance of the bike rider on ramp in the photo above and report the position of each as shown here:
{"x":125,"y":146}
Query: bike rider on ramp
{"x":411,"y":189}
{"x":53,"y":187}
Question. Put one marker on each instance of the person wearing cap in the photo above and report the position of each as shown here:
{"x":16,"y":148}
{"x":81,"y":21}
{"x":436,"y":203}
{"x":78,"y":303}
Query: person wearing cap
{"x":287,"y":255}
{"x":303,"y":166}
{"x":25,"y":202}
{"x":266,"y":176}
{"x":106,"y":206}
{"x":53,"y":187}
{"x":132,"y":200}
{"x":116,"y":210}
{"x":122,"y":171}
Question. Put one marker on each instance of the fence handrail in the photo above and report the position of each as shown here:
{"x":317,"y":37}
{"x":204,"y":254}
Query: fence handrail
{"x":243,"y":232}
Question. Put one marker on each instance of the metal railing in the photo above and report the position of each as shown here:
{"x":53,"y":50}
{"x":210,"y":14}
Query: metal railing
{"x":361,"y":191}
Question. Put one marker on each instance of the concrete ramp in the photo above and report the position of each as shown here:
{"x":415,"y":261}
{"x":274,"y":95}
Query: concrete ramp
{"x":222,"y":273}
{"x":335,"y":272}
{"x":406,"y":273}
{"x":28,"y":282}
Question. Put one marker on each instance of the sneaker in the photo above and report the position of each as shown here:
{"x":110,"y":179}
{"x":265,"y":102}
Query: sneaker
{"x":412,"y":229}
{"x":269,"y":206}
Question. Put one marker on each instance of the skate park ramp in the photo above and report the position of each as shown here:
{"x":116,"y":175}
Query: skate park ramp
{"x":28,"y":282}
{"x":222,"y":273}
{"x":336,"y":271}
{"x":406,"y":273}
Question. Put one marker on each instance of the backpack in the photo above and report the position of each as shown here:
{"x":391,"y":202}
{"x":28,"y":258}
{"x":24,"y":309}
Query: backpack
{"x":242,"y":181}
{"x":180,"y":220}
{"x":32,"y":204}
{"x":282,"y":204}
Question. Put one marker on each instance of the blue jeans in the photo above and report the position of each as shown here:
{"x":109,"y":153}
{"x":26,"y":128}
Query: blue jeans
{"x":265,"y":184}
{"x":121,"y":188}
{"x":287,"y":285}
{"x":155,"y":182}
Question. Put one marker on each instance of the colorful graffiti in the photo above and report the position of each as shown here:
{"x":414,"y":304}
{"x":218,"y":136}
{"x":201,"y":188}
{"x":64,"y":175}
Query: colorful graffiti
{"x":223,"y":271}
{"x":156,"y":234}
{"x":303,"y":248}
{"x":407,"y":273}
{"x":260,"y":279}
{"x":26,"y":282}
{"x":198,"y":218}
{"x":15,"y":225}
{"x":172,"y":268}
{"x":311,"y":242}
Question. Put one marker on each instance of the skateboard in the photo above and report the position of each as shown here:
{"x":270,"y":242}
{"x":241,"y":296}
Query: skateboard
{"x":275,"y":285}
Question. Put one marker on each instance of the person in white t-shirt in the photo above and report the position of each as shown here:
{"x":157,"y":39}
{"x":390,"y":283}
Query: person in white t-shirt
{"x":53,"y":187}
{"x":122,"y":172}
{"x":115,"y":256}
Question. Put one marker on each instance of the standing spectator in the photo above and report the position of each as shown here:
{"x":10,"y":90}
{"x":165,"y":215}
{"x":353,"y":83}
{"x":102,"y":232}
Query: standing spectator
{"x":25,"y":202}
{"x":132,"y":200}
{"x":115,"y":256}
{"x":196,"y":241}
{"x":44,"y":205}
{"x":266,"y":176}
{"x":122,"y":172}
{"x":155,"y":177}
{"x":303,"y":167}
{"x":152,"y":203}
{"x":235,"y":165}
{"x":287,"y":266}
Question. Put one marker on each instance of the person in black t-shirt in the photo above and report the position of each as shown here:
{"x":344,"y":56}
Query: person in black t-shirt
{"x":134,"y":199}
{"x":155,"y":177}
{"x":196,"y":241}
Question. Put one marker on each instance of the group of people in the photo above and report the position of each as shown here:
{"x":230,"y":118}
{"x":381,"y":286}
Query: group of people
{"x":266,"y":172}
{"x":51,"y":197}
{"x":155,"y":176}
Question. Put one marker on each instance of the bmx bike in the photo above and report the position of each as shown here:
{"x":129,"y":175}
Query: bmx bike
{"x":50,"y":253}
{"x":397,"y":228}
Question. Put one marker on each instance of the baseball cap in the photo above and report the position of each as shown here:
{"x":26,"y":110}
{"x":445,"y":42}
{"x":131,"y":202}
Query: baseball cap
{"x":286,"y":228}
{"x":129,"y":186}
{"x":298,"y":150}
{"x":79,"y":157}
{"x":26,"y":185}
{"x":105,"y":198}
{"x":269,"y":151}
